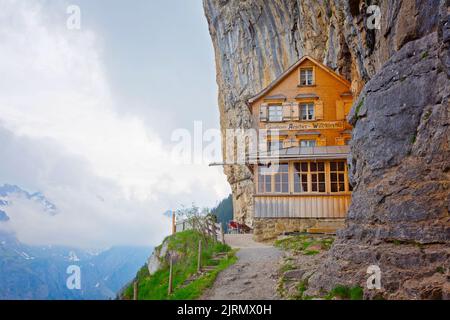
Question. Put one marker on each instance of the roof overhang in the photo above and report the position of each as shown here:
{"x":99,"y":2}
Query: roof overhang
{"x":307,"y":96}
{"x":277,"y":97}
{"x":302,"y":153}
{"x":289,"y":70}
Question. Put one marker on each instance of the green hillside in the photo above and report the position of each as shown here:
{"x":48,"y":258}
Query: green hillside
{"x":187,"y":284}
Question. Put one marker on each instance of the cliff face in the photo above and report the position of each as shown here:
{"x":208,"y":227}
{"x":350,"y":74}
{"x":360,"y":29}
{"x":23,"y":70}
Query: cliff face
{"x":255,"y":41}
{"x":400,"y":158}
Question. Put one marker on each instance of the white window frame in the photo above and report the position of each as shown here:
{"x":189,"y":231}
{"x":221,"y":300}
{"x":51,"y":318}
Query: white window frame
{"x":310,"y":112}
{"x":278,"y":116}
{"x":308,"y":78}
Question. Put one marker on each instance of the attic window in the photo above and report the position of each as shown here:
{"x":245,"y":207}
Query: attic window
{"x":306,"y":77}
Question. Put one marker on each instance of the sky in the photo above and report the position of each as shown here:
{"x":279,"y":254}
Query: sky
{"x":93,"y":117}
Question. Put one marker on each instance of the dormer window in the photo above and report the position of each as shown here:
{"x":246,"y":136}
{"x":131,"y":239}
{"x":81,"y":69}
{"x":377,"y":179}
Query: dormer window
{"x":275,"y":113}
{"x":307,"y":111}
{"x":306,"y":77}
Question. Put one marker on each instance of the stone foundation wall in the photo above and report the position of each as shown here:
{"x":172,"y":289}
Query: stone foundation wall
{"x":270,"y":228}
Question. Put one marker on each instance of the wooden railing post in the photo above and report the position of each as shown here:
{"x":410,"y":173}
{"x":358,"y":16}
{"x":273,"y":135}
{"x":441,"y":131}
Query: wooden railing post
{"x":135,"y":290}
{"x":174,"y":224}
{"x":199,"y":258}
{"x":170,"y":289}
{"x":222,"y":235}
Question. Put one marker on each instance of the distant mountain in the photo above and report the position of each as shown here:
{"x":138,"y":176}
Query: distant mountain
{"x":3,"y":216}
{"x":8,"y":190}
{"x":39,"y":272}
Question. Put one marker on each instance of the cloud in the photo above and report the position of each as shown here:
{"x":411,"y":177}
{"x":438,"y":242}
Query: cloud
{"x":110,"y":176}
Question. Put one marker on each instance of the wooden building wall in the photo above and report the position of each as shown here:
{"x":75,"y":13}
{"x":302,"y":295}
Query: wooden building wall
{"x":301,"y":206}
{"x":326,"y":87}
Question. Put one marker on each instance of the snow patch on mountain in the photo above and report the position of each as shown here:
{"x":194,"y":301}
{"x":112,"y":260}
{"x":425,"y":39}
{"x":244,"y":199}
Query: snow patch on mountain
{"x":8,"y":191}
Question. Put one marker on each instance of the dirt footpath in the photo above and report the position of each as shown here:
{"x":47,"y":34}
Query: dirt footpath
{"x":253,"y":276}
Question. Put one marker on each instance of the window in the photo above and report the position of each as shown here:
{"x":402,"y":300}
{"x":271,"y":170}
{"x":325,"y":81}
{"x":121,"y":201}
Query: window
{"x":301,"y":177}
{"x":273,"y":178}
{"x":337,"y":176}
{"x":307,"y":111}
{"x":275,"y":113}
{"x":317,"y":176}
{"x":308,"y":177}
{"x":307,"y":143}
{"x":282,"y":178}
{"x":347,"y":141}
{"x":264,"y":179}
{"x":306,"y":77}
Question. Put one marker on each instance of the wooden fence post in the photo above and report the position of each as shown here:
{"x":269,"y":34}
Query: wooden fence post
{"x":174,"y":224}
{"x":170,"y":276}
{"x":210,"y":232}
{"x":222,"y":235}
{"x":135,"y":290}
{"x":199,"y":258}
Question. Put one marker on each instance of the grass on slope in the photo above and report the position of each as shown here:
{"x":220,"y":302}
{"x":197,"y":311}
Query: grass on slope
{"x":185,"y":244}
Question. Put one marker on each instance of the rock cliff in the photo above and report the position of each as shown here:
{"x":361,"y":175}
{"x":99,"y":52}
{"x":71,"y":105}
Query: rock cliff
{"x":400,"y":158}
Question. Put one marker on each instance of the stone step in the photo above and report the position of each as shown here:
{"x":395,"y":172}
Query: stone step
{"x":208,"y":268}
{"x":221,"y":254}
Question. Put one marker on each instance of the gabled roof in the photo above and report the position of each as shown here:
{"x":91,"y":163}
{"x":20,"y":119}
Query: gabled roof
{"x":292,"y":68}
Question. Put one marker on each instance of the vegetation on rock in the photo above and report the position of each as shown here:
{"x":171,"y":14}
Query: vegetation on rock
{"x":303,"y":254}
{"x":306,"y":244}
{"x":346,"y":293}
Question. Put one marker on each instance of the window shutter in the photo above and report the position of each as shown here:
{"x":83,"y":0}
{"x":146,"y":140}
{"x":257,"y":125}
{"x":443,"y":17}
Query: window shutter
{"x":340,"y":141}
{"x":318,"y":110}
{"x":313,"y":75}
{"x":322,"y":141}
{"x":295,"y":111}
{"x":340,"y":112}
{"x":347,"y":108}
{"x":286,"y":111}
{"x":263,"y":112}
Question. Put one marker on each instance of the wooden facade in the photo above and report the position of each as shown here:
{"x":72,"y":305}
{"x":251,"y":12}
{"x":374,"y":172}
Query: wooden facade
{"x":302,"y":206}
{"x":303,"y":172}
